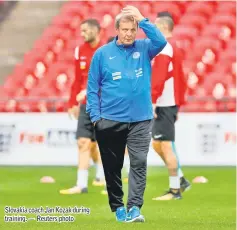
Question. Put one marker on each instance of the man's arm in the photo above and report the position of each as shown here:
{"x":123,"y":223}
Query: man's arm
{"x":156,"y":41}
{"x":159,"y":75}
{"x":93,"y":88}
{"x":181,"y":81}
{"x":76,"y":86}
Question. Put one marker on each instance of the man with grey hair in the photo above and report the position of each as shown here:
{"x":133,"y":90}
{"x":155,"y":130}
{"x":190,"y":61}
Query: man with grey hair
{"x":119,"y":104}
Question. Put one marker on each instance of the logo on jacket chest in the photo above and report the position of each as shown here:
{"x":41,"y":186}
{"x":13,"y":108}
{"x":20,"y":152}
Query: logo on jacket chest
{"x":139,"y":72}
{"x":83,"y":62}
{"x":116,"y":75}
{"x":83,"y":65}
{"x":136,"y":55}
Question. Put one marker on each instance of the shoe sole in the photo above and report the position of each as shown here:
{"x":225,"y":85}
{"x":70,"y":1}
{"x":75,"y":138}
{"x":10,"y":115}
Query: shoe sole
{"x":180,"y":198}
{"x":72,"y":193}
{"x":83,"y":191}
{"x":98,"y":184}
{"x":173,"y":198}
{"x":137,"y":219}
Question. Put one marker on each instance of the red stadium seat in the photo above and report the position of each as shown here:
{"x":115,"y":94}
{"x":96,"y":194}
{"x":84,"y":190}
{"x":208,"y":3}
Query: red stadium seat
{"x":76,"y":9}
{"x":51,"y":36}
{"x":184,"y":44}
{"x":210,"y":106}
{"x":58,"y":69}
{"x":52,"y":32}
{"x":112,"y":8}
{"x":72,"y":44}
{"x":60,"y":21}
{"x":171,"y":7}
{"x":231,"y":106}
{"x":231,"y":45}
{"x":189,"y":66}
{"x":10,"y":106}
{"x":44,"y":51}
{"x":205,"y":31}
{"x":193,"y":106}
{"x":185,"y":32}
{"x":4,"y":95}
{"x":182,"y":5}
{"x":206,"y":49}
{"x":66,"y":56}
{"x":146,"y":8}
{"x":225,"y":7}
{"x":185,"y":35}
{"x":224,"y":20}
{"x":205,"y":9}
{"x":67,"y":21}
{"x":215,"y":31}
{"x":61,"y":83}
{"x":217,"y":84}
{"x":222,"y":66}
{"x":228,"y":56}
{"x":196,"y":21}
{"x":12,"y":82}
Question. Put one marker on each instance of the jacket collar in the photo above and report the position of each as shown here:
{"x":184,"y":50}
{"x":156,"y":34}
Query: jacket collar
{"x":122,"y":45}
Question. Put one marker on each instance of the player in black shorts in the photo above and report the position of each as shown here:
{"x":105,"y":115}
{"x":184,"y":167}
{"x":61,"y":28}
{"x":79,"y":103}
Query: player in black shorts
{"x":87,"y":146}
{"x":84,"y":126}
{"x":164,"y":123}
{"x":168,"y":91}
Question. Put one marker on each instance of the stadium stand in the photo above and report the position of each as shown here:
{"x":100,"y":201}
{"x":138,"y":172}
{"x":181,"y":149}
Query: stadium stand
{"x":206,"y":32}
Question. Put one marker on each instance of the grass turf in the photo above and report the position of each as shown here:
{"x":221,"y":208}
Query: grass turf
{"x":206,"y":206}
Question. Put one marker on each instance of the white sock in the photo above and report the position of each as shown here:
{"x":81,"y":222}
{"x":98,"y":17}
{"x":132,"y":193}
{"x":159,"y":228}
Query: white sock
{"x":82,"y":178}
{"x":127,"y":164}
{"x":174,"y":182}
{"x":127,"y":168}
{"x":99,"y":172}
{"x":96,"y":169}
{"x":180,"y":173}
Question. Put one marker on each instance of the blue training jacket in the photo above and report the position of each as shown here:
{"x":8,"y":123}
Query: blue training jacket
{"x":119,"y":80}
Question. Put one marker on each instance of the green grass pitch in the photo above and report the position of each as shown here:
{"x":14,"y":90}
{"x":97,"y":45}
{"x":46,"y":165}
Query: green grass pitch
{"x":205,"y":207}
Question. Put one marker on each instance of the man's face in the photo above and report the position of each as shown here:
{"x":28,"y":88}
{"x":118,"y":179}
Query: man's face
{"x":127,"y":32}
{"x":88,"y":33}
{"x":160,"y":25}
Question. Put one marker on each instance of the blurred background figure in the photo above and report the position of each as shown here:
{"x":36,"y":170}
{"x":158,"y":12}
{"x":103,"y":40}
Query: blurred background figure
{"x":168,"y":95}
{"x":86,"y":140}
